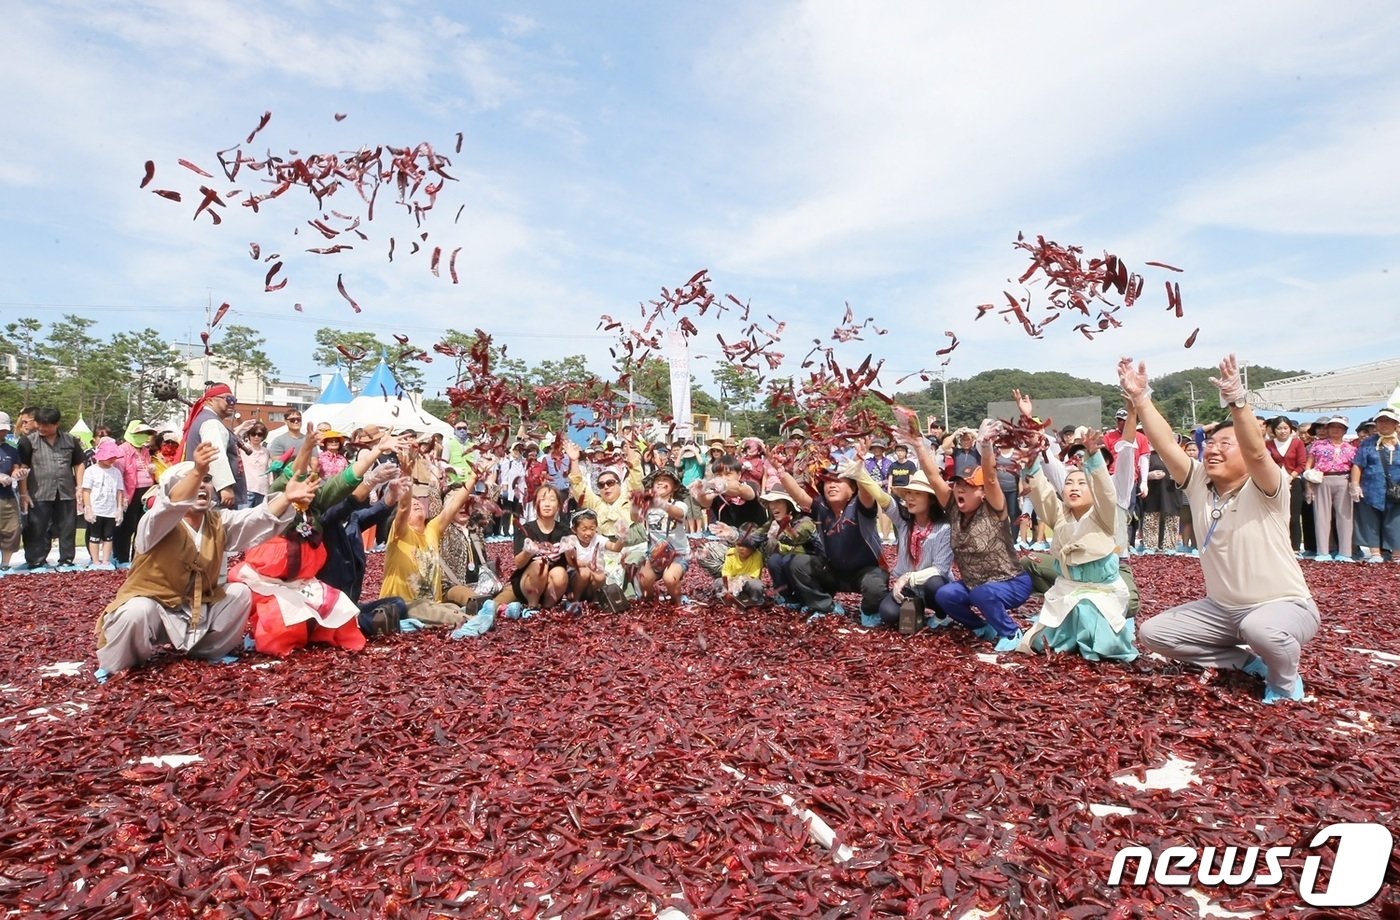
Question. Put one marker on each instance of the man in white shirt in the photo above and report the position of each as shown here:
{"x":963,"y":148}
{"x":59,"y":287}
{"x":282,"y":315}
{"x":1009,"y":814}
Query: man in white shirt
{"x":206,"y":425}
{"x":1255,"y":592}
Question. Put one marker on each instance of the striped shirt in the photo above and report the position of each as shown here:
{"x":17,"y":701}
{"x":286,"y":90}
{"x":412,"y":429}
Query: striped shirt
{"x":52,"y":476}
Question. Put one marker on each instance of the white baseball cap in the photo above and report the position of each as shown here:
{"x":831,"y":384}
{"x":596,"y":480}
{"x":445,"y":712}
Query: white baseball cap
{"x":4,"y":421}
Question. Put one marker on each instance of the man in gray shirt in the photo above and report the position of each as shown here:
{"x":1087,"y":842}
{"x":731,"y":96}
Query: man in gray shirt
{"x":55,"y":461}
{"x":290,"y":439}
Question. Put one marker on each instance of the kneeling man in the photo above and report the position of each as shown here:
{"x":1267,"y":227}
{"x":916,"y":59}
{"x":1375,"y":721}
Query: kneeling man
{"x":174,"y":592}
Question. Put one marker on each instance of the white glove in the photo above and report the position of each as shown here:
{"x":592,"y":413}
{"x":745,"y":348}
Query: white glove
{"x":6,"y":481}
{"x":89,"y":515}
{"x":897,"y":589}
{"x":379,"y":475}
{"x":987,"y":433}
{"x":1355,"y":489}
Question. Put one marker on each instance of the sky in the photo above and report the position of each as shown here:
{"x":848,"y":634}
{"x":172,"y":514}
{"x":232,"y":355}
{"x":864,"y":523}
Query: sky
{"x":808,"y":155}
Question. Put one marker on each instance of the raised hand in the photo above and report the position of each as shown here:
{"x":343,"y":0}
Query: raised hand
{"x":301,"y":491}
{"x":1132,"y":380}
{"x":1023,"y":403}
{"x":988,"y":432}
{"x":1229,"y":384}
{"x":1093,"y":440}
{"x":908,"y":423}
{"x":205,"y":455}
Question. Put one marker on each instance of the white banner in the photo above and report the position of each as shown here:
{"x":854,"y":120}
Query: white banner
{"x":678,"y":355}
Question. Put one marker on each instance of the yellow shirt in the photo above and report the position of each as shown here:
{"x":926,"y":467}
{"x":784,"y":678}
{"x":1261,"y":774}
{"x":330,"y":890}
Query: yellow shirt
{"x":410,"y":571}
{"x":734,"y":567}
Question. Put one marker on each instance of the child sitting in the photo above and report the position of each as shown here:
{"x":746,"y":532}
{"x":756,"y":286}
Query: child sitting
{"x":742,"y":576}
{"x":583,"y":550}
{"x":790,"y":534}
{"x":668,"y":547}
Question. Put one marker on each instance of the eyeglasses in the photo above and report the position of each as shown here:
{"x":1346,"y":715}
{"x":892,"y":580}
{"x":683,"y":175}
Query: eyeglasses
{"x":230,"y":399}
{"x":605,"y":483}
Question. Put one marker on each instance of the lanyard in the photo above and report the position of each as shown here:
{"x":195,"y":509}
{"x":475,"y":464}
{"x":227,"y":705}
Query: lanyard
{"x":1217,"y":510}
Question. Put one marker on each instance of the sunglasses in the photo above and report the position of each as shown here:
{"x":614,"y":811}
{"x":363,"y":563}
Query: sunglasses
{"x":604,"y":483}
{"x":294,"y":418}
{"x":230,"y":399}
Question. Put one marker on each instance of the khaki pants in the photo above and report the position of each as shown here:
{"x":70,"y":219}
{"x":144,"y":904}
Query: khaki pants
{"x":135,"y":628}
{"x":1331,"y":498}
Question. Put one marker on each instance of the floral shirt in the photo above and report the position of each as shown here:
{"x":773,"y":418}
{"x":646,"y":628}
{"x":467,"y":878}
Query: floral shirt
{"x":1332,"y":458}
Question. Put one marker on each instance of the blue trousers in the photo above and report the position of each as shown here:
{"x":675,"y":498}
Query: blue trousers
{"x":778,"y":566}
{"x":992,"y":600}
{"x":1378,"y":530}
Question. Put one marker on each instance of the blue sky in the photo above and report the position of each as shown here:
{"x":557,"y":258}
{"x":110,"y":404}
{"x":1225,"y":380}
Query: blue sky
{"x":806,"y":154}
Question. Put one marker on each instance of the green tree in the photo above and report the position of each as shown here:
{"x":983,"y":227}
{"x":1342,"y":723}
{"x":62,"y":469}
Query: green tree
{"x":68,"y":353}
{"x":407,"y":370}
{"x":146,"y":357}
{"x":968,"y":398}
{"x":23,"y":337}
{"x":1173,"y":393}
{"x":738,"y":386}
{"x":241,"y":348}
{"x":363,"y":347}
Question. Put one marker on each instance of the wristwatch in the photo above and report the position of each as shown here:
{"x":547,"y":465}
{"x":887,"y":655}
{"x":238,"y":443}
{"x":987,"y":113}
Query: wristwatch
{"x":1240,"y":403}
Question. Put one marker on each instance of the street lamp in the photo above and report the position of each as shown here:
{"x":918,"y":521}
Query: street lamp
{"x":943,"y":379}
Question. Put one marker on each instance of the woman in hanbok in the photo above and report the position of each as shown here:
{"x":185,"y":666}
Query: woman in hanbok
{"x":1086,"y":609}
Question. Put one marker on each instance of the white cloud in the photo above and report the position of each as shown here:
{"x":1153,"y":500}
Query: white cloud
{"x":518,"y":25}
{"x":1333,"y":175}
{"x":899,"y":120}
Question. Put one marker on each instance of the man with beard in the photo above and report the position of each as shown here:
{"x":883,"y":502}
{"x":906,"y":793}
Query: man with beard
{"x":173,"y":592}
{"x":206,"y":424}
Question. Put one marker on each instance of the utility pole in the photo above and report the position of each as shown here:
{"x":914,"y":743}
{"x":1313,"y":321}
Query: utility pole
{"x":1193,"y":402}
{"x":208,"y":331}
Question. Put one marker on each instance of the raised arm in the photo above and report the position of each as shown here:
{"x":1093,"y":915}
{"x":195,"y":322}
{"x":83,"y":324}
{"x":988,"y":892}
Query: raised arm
{"x":793,"y":488}
{"x":927,"y":461}
{"x":986,"y":446}
{"x":1261,"y":467}
{"x":405,"y":501}
{"x":456,"y":497}
{"x":1133,"y":381}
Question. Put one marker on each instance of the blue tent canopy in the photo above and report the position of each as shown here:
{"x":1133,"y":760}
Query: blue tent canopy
{"x":336,"y":393}
{"x":381,"y":383}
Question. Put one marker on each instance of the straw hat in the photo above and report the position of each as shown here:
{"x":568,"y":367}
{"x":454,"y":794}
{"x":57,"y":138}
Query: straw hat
{"x":919,"y":483}
{"x":777,"y":495}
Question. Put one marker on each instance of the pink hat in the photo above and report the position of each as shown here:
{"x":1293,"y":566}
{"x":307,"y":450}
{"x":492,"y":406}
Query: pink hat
{"x":106,"y":450}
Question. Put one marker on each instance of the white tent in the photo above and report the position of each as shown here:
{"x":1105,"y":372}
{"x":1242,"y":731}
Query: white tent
{"x":335,"y":397}
{"x":384,"y":403}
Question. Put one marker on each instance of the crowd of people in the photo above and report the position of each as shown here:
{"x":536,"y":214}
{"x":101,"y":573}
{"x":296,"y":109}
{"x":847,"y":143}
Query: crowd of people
{"x":926,"y":532}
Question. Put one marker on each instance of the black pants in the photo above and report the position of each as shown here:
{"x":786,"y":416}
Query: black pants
{"x":889,"y":607}
{"x":126,"y":527}
{"x":814,"y":581}
{"x":47,"y":520}
{"x":1295,"y":514}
